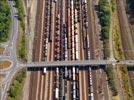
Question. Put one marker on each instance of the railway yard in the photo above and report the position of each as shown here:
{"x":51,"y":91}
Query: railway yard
{"x":64,"y":32}
{"x":69,"y":30}
{"x":72,"y":30}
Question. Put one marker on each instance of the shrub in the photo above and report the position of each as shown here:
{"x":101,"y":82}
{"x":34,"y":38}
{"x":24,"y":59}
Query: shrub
{"x":17,"y":85}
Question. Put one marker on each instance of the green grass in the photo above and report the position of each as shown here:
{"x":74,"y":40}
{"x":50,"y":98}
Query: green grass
{"x":22,"y":51}
{"x":105,"y":15}
{"x":111,"y":82}
{"x":16,"y":87}
{"x":106,"y":49}
{"x":5,"y":20}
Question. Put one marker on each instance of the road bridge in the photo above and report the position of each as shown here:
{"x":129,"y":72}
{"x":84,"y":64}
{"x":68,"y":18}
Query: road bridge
{"x":77,"y":63}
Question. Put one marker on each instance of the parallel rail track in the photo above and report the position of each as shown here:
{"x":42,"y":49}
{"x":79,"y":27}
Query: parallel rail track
{"x":65,"y":34}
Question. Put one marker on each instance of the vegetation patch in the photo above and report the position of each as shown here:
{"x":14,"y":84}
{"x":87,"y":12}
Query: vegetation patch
{"x":111,"y":82}
{"x":106,"y":49}
{"x":5,"y":20}
{"x":21,"y":15}
{"x":4,"y":64}
{"x":105,"y":16}
{"x":118,"y":53}
{"x":113,"y":5}
{"x":121,"y":70}
{"x":15,"y":91}
{"x":125,"y":81}
{"x":21,"y":50}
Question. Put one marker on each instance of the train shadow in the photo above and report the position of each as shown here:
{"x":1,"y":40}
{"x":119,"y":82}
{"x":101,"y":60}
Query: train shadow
{"x":41,"y":68}
{"x":33,"y":69}
{"x":103,"y":67}
{"x":92,"y":67}
{"x":130,"y":68}
{"x":54,"y":68}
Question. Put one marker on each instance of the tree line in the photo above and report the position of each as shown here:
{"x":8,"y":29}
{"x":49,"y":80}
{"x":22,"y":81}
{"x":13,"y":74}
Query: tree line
{"x":5,"y":20}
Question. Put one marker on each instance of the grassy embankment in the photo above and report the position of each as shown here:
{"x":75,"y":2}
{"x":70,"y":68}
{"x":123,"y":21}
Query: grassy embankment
{"x":21,"y":50}
{"x":124,"y":81}
{"x":111,"y":82}
{"x":105,"y":16}
{"x":15,"y":91}
{"x":118,"y":53}
{"x":5,"y":21}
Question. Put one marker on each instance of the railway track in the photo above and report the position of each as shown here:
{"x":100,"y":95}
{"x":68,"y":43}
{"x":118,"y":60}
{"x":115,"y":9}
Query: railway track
{"x":131,"y":26}
{"x":34,"y":75}
{"x":98,"y":88}
{"x":37,"y":31}
{"x":64,"y":32}
{"x":128,"y":51}
{"x":131,"y":73}
{"x":127,"y":41}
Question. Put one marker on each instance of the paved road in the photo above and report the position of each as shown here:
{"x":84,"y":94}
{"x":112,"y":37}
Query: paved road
{"x":77,"y":63}
{"x":10,"y":47}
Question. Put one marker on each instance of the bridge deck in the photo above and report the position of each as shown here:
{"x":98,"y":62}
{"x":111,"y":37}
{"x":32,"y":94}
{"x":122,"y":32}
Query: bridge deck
{"x":77,"y":63}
